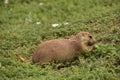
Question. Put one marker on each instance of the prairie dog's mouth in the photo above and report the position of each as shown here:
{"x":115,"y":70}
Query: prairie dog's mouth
{"x":90,"y":44}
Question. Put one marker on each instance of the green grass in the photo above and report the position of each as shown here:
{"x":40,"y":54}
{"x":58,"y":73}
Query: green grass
{"x":20,"y":33}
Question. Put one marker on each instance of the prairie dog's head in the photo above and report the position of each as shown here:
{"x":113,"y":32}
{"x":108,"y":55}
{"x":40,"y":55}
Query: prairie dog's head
{"x":85,"y":38}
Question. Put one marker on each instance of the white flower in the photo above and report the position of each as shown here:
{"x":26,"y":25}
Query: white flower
{"x":40,"y":4}
{"x":6,"y":1}
{"x":66,"y":23}
{"x":55,"y":25}
{"x":38,"y":23}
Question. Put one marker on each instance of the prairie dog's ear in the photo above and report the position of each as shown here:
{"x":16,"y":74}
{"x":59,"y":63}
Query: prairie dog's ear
{"x":76,"y":37}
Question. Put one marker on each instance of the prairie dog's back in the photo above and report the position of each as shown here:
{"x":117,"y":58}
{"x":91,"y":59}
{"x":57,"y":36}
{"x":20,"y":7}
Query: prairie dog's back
{"x":58,"y":50}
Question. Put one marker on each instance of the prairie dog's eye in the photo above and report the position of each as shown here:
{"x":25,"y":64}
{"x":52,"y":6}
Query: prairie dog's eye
{"x":90,"y":36}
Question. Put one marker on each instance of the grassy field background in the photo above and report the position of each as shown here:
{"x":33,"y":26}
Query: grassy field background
{"x":26,"y":23}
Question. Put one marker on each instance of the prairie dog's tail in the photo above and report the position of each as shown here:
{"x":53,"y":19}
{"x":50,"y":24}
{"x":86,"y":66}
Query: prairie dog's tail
{"x":23,"y":59}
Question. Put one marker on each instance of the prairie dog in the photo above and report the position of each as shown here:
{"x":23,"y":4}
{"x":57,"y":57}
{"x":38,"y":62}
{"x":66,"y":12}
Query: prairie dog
{"x":62,"y":49}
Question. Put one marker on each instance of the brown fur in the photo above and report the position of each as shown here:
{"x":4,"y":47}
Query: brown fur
{"x":62,"y":50}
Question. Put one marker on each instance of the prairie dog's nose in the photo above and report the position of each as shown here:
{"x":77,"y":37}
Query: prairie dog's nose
{"x":94,"y":40}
